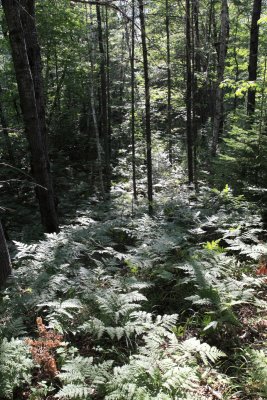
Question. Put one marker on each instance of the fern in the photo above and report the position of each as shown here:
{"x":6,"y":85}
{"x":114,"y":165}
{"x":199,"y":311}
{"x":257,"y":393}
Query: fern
{"x":98,"y":295}
{"x":162,"y":368}
{"x":15,"y":366}
{"x":75,"y":391}
{"x":215,"y":288}
{"x":206,"y":352}
{"x":82,"y":378}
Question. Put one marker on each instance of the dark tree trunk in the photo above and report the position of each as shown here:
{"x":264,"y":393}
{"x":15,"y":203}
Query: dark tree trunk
{"x":5,"y":263}
{"x":235,"y":56}
{"x":27,"y":15}
{"x":253,"y":54}
{"x":5,"y":131}
{"x":169,"y":83}
{"x":133,"y":101}
{"x":55,"y":107}
{"x":91,"y":58}
{"x":103,"y":102}
{"x":196,"y":68}
{"x":148,"y":110}
{"x":30,"y":92}
{"x":222,"y":51}
{"x":189,"y":87}
{"x":108,"y":84}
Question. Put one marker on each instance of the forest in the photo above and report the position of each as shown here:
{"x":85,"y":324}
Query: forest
{"x":133,"y":214}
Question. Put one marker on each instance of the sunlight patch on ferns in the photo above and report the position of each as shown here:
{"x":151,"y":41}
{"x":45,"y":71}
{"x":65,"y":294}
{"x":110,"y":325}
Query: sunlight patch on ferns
{"x":15,"y":366}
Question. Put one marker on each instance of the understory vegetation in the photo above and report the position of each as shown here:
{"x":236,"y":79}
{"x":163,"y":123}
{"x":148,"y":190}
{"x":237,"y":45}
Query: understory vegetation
{"x":133,"y":211}
{"x":120,"y":305}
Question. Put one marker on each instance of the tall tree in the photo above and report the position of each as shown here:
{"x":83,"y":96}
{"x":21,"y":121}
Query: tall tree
{"x":196,"y":68}
{"x":253,"y":54}
{"x":222,"y":51}
{"x":108,"y":82}
{"x":148,"y":109}
{"x":189,"y":88}
{"x":169,"y":81}
{"x":91,"y":56}
{"x":132,"y":55}
{"x":103,"y":101}
{"x":5,"y":263}
{"x":3,"y":121}
{"x":27,"y":65}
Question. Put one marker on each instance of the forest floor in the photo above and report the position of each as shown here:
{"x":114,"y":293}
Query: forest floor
{"x":136,"y":307}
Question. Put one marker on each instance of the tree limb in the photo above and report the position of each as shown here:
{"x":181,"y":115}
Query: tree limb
{"x":107,"y":3}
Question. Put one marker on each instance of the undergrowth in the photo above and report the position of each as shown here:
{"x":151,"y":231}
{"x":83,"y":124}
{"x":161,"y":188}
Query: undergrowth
{"x":133,"y":307}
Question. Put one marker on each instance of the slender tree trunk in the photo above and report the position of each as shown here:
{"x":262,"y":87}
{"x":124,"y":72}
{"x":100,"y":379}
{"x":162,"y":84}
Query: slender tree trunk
{"x":103,"y":101}
{"x":196,"y":67}
{"x":195,"y":19}
{"x":5,"y":263}
{"x":108,"y":83}
{"x":91,"y":56}
{"x":148,"y":110}
{"x":133,"y":101}
{"x":55,"y":105}
{"x":27,"y":16}
{"x":29,"y":86}
{"x":236,"y":58}
{"x":189,"y":87}
{"x":98,"y":143}
{"x":222,"y":51}
{"x":5,"y":131}
{"x":169,"y":83}
{"x":253,"y":54}
{"x":122,"y":69}
{"x":261,"y":149}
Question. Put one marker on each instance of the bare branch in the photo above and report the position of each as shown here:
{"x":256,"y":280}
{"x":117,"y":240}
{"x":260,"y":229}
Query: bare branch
{"x":107,"y":3}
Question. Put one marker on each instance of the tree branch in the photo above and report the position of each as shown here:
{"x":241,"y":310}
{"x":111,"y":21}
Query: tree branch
{"x":107,"y":3}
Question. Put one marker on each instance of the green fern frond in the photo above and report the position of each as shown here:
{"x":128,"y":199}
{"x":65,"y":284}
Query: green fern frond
{"x":75,"y":392}
{"x":15,"y":366}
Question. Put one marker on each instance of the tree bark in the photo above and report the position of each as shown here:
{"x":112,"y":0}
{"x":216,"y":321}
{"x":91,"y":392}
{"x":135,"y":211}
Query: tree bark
{"x":196,"y":68}
{"x":27,"y":16}
{"x":24,"y":49}
{"x":5,"y":263}
{"x":253,"y":55}
{"x":108,"y":85}
{"x":5,"y":131}
{"x":169,"y":83}
{"x":91,"y":57}
{"x":189,"y":88}
{"x":133,"y":101}
{"x":222,"y":51}
{"x":103,"y":102}
{"x":148,"y":110}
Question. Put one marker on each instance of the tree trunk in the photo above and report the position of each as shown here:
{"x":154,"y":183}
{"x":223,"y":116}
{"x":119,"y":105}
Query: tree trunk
{"x":103,"y":102}
{"x":196,"y":68}
{"x":27,"y":16}
{"x":253,"y":54}
{"x":133,"y":101}
{"x":5,"y":263}
{"x":189,"y":87}
{"x":55,"y":106}
{"x":30,"y":92}
{"x":148,"y":110}
{"x":108,"y":84}
{"x":222,"y":51}
{"x":169,"y":82}
{"x":91,"y":57}
{"x":5,"y":131}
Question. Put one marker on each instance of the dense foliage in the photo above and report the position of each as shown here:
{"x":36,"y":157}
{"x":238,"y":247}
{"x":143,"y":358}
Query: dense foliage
{"x":136,"y":294}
